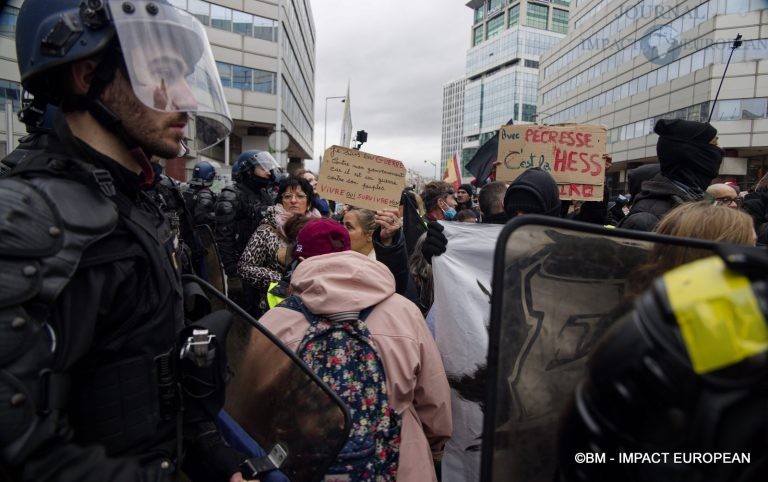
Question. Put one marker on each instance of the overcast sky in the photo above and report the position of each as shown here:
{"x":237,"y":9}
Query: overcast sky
{"x":396,"y":55}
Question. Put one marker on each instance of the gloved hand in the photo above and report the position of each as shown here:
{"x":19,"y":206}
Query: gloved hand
{"x":436,"y":243}
{"x":209,"y":457}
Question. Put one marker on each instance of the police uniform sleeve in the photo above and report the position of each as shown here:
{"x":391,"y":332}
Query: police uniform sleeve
{"x":225,"y":215}
{"x":204,"y":208}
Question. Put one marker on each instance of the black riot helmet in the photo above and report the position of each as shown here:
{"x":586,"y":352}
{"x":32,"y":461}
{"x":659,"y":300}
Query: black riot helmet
{"x":161,"y":50}
{"x":203,"y":174}
{"x":685,"y":372}
{"x":248,"y":161}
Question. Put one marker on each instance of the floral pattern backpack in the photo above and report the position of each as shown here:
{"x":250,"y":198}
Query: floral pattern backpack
{"x":340,"y":351}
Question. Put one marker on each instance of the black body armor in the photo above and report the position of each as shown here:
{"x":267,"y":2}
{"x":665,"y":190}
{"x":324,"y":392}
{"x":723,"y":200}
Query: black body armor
{"x":239,"y":211}
{"x":90,"y":307}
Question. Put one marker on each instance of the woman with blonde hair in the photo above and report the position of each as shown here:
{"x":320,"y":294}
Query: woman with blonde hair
{"x":699,"y":220}
{"x":361,"y":224}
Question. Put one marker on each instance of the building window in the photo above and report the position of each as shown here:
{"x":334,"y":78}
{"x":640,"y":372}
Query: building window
{"x":494,"y":5}
{"x":242,"y":23}
{"x":200,"y":10}
{"x":754,"y":108}
{"x":559,"y":20}
{"x":265,"y":28}
{"x":244,"y":78}
{"x":10,"y":91}
{"x":264,"y":81}
{"x":478,"y":36}
{"x":537,"y":16}
{"x":479,"y":15}
{"x":565,"y":3}
{"x":8,"y":21}
{"x":241,"y":77}
{"x":529,"y":113}
{"x":532,"y":64}
{"x":221,"y":18}
{"x":494,"y":26}
{"x":514,"y":16}
{"x":225,"y":73}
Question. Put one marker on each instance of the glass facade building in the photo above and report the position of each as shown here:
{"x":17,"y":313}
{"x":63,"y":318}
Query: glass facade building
{"x":509,"y":37}
{"x":626,"y":64}
{"x":453,"y":119}
{"x":244,"y":41}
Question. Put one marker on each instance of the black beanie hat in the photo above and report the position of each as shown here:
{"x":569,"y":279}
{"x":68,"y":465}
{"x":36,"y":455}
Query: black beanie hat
{"x":469,"y":188}
{"x":687,"y":130}
{"x":533,"y":192}
{"x":685,"y":153}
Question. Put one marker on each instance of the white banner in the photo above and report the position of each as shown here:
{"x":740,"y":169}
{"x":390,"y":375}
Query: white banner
{"x":461,"y":314}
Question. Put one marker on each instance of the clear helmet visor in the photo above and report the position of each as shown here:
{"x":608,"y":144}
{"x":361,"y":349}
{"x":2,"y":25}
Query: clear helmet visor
{"x":171,"y":67}
{"x":265,"y":160}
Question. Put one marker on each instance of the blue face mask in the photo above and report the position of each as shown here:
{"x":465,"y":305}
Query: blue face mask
{"x":449,"y":214}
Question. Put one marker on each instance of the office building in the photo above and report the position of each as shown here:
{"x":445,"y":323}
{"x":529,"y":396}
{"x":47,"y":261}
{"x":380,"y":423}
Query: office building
{"x":508,"y":39}
{"x":244,"y":39}
{"x":453,"y":119}
{"x":626,"y":64}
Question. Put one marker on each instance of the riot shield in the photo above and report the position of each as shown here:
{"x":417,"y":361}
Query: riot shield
{"x":277,"y":399}
{"x":214,"y":271}
{"x":558,"y":285}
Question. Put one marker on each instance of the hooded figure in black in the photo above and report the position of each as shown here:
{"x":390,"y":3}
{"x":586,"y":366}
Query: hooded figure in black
{"x":533,"y":192}
{"x":689,"y":160}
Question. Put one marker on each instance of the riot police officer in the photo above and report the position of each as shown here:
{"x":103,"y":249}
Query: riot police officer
{"x":678,"y":387}
{"x":90,"y":302}
{"x":198,"y":197}
{"x":239,"y":210}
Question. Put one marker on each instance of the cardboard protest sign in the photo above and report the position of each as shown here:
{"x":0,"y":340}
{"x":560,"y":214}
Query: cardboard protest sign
{"x":573,"y":154}
{"x":361,"y":179}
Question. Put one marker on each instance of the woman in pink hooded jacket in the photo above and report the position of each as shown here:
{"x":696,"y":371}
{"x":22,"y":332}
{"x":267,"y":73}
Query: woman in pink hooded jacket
{"x":416,"y":381}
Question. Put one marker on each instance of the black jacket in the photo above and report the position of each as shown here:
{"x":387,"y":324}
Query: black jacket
{"x":658,"y":195}
{"x":111,"y":293}
{"x":394,"y":257}
{"x":756,"y":205}
{"x":238,"y":212}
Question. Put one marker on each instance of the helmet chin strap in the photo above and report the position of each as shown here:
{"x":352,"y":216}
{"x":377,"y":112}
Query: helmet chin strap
{"x":112,"y":123}
{"x":183,"y":149}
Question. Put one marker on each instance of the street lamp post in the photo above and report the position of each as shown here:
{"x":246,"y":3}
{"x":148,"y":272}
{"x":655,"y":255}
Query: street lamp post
{"x":435,"y":166}
{"x":325,"y":122}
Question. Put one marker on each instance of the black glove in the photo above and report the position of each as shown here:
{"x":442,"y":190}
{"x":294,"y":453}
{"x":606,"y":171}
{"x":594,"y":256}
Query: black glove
{"x":435,"y":243}
{"x":209,"y":458}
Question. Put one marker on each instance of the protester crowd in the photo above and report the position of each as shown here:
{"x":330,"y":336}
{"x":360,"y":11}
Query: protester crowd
{"x":359,"y":257}
{"x":106,"y":374}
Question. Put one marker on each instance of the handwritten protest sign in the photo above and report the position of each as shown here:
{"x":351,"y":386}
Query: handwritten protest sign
{"x":361,"y":179}
{"x":573,"y":154}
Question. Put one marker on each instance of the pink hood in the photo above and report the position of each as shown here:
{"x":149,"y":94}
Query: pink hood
{"x":337,"y":282}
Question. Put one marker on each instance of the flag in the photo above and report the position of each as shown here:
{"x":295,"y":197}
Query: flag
{"x":459,"y":319}
{"x":346,"y":123}
{"x":452,"y":173}
{"x":481,"y":163}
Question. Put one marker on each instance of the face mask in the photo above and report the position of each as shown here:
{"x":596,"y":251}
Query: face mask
{"x":449,"y":214}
